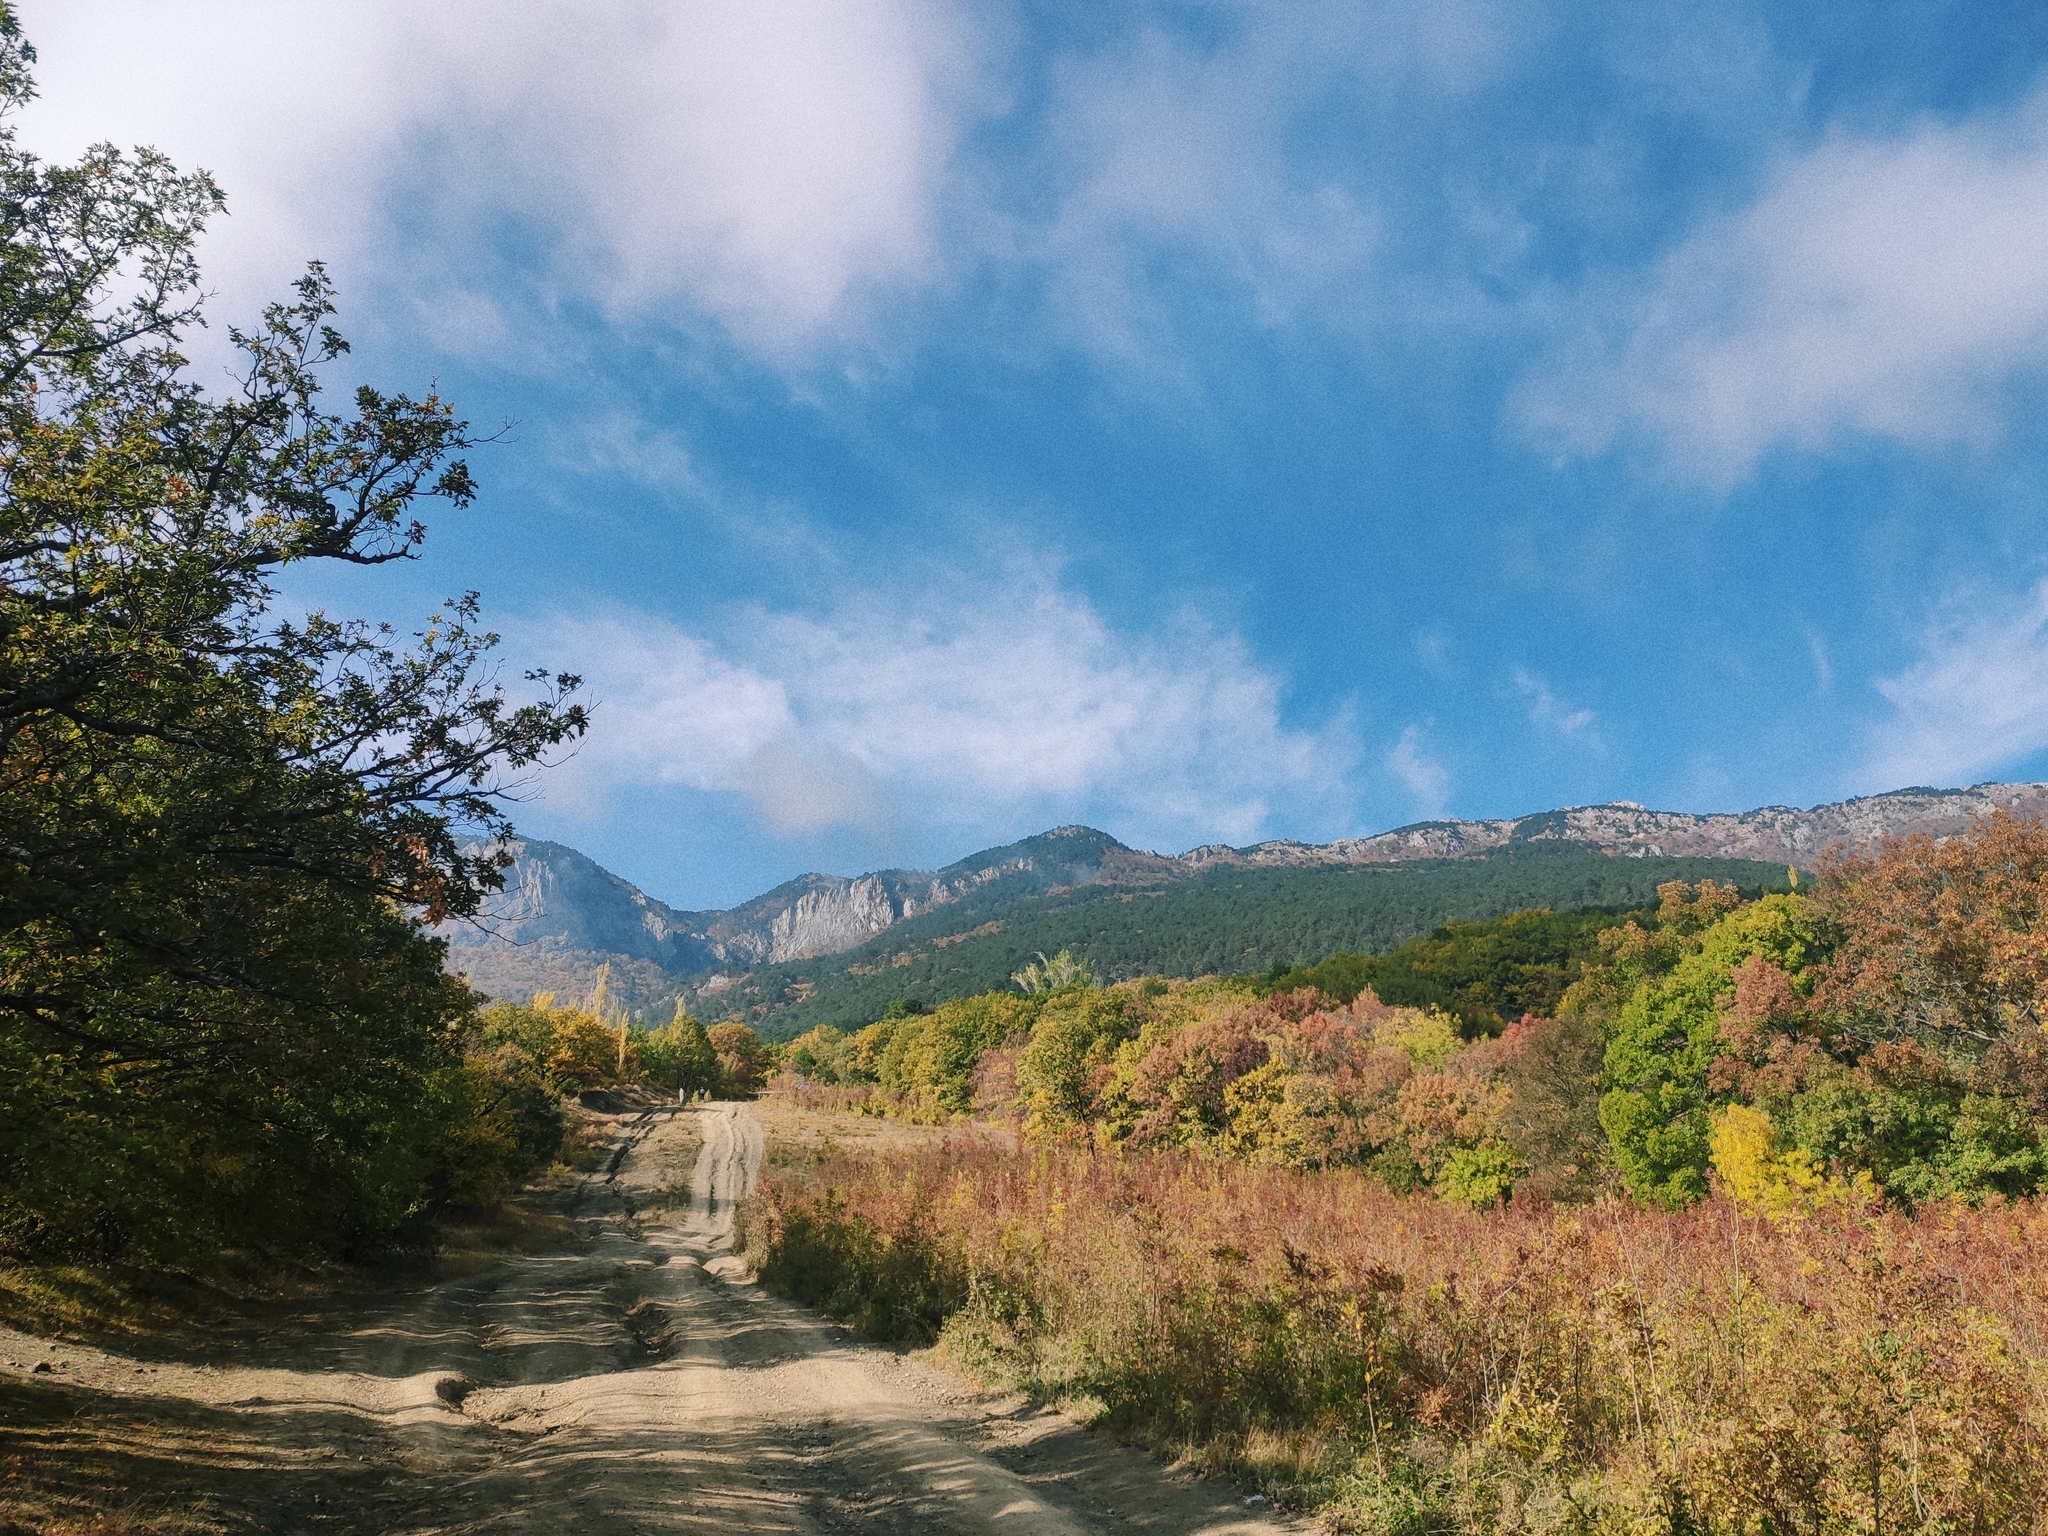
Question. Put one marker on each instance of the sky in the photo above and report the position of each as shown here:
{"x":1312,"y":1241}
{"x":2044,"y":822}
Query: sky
{"x":924,"y":424}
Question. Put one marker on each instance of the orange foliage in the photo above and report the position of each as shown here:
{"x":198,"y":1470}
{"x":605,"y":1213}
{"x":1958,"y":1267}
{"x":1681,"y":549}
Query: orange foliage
{"x":1948,"y":939}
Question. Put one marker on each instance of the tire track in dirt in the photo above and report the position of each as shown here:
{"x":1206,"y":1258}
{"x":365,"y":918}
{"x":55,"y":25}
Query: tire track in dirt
{"x":637,"y":1383}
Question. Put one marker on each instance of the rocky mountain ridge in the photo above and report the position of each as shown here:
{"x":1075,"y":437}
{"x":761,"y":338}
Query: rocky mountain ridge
{"x":557,"y":899}
{"x":561,"y":914}
{"x":1773,"y":833}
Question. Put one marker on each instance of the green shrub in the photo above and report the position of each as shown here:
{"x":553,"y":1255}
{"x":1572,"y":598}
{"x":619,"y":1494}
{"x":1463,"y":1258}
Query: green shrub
{"x":1480,"y":1176}
{"x":893,"y":1284}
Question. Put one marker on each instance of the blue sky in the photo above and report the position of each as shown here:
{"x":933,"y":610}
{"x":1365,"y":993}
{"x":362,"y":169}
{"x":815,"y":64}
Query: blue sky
{"x":933,"y":423}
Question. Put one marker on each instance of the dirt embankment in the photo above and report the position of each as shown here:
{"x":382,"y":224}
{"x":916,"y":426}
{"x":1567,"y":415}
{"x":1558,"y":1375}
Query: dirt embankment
{"x":634,"y":1380}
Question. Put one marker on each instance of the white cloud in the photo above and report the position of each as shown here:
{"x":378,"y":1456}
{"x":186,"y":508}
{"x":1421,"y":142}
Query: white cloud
{"x":1428,"y":785}
{"x":1552,"y":714}
{"x":769,"y":162}
{"x":673,"y":710}
{"x":1823,"y":668}
{"x":1171,"y":154}
{"x":790,"y":168}
{"x":289,"y":106}
{"x":1019,"y":701}
{"x":1975,"y":702}
{"x":1887,"y":286}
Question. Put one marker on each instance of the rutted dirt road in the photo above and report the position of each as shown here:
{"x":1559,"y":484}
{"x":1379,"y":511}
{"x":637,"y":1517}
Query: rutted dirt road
{"x":637,"y":1382}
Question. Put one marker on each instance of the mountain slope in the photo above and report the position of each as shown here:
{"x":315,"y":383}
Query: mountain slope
{"x":562,"y":915}
{"x":554,"y":896}
{"x":825,"y":914}
{"x":1230,"y":920}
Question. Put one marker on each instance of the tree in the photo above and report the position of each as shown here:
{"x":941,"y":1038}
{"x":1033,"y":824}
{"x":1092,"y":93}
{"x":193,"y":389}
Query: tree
{"x":1667,"y":1036}
{"x":744,"y":1062}
{"x":821,"y":1053}
{"x":1054,"y":975}
{"x":218,"y":829}
{"x":930,"y":1057}
{"x":679,"y":1057}
{"x":1945,"y":943}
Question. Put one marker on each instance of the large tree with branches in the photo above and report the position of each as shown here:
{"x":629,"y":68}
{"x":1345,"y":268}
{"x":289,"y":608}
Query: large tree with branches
{"x":219,"y":831}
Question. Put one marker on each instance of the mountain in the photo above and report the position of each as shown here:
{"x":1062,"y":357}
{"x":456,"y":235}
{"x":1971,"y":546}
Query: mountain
{"x":1774,"y":834}
{"x":825,"y":947}
{"x":1227,"y":920}
{"x":561,"y":915}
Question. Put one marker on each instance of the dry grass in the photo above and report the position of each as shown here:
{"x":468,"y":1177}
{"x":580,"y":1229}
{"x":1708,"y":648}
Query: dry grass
{"x":50,"y":1299}
{"x":471,"y":1246}
{"x":585,"y":1143}
{"x":113,"y":1301}
{"x":1410,"y":1367}
{"x":806,"y":1124}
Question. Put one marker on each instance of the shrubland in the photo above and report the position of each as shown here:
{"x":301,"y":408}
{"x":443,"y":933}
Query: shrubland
{"x":1293,"y":1077}
{"x":1410,"y":1365}
{"x":1738,"y":1234}
{"x":1884,"y":1027}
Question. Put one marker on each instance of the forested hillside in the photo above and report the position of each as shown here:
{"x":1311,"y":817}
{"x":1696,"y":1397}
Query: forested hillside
{"x":1230,"y":921}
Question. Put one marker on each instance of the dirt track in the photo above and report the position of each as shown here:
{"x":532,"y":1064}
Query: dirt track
{"x":637,"y":1382}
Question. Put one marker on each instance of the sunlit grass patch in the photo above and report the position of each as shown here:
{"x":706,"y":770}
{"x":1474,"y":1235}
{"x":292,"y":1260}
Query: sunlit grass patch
{"x":475,"y":1244}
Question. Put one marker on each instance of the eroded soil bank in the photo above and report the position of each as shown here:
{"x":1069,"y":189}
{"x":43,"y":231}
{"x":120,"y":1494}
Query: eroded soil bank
{"x":632,"y":1380}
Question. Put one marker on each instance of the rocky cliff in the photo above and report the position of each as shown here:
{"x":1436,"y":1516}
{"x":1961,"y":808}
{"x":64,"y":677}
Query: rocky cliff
{"x":561,"y":914}
{"x":824,"y":914}
{"x":556,"y":898}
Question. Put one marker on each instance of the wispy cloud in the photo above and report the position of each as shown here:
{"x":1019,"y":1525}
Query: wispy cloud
{"x":1974,"y":703}
{"x":1554,"y":715}
{"x":1426,"y":780}
{"x":1823,"y":668}
{"x":1434,"y":652}
{"x":1171,"y":162}
{"x":1011,"y":700}
{"x":1890,"y":286}
{"x":1172,"y":151}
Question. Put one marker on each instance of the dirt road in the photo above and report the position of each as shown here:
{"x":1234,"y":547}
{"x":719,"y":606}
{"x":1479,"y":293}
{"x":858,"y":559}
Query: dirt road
{"x":635,"y":1382}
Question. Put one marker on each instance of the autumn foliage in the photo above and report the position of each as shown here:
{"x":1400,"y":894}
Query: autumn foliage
{"x":1740,"y":1237}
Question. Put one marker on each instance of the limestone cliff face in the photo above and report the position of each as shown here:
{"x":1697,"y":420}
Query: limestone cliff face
{"x":825,"y":914}
{"x":556,"y":898}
